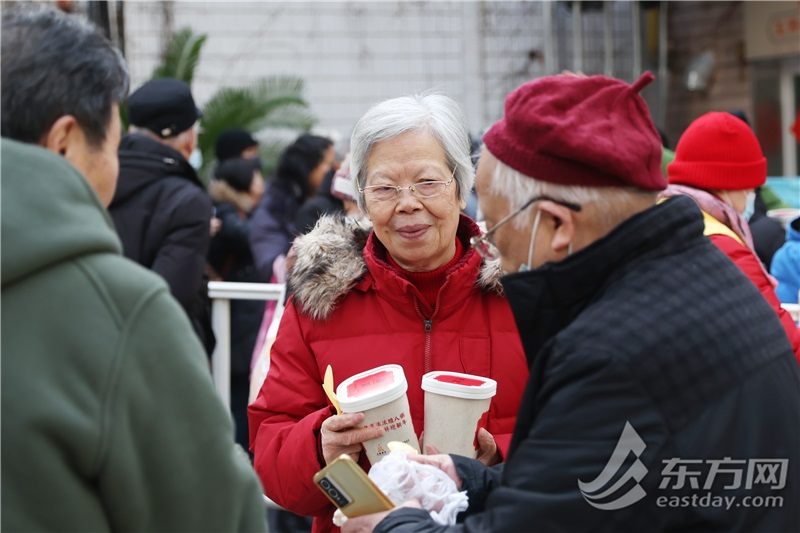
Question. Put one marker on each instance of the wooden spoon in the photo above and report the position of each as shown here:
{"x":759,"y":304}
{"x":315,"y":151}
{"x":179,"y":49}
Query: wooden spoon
{"x":327,"y":385}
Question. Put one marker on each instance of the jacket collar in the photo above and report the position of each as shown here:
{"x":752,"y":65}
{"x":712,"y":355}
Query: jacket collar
{"x":341,"y":254}
{"x":136,"y":151}
{"x":544,"y":301}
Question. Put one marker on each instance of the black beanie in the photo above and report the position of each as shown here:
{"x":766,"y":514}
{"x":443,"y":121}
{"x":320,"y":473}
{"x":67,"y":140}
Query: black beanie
{"x":238,"y":172}
{"x":232,"y":142}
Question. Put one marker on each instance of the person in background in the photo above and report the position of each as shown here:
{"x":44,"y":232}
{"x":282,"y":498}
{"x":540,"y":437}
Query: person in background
{"x":342,"y":188}
{"x":323,"y":202}
{"x":335,"y":195}
{"x":408,"y":290}
{"x":651,"y":355}
{"x":110,"y":419}
{"x":767,"y":234}
{"x":236,"y":191}
{"x":160,"y":208}
{"x":719,"y":164}
{"x":786,"y":265}
{"x":301,"y":170}
{"x":235,"y":143}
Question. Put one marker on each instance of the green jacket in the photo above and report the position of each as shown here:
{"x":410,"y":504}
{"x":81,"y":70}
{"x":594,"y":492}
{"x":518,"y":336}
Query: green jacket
{"x":109,"y":416}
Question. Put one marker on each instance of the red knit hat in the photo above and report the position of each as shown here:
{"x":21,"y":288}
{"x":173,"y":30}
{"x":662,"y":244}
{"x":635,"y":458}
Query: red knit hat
{"x":718,"y":151}
{"x":592,"y":131}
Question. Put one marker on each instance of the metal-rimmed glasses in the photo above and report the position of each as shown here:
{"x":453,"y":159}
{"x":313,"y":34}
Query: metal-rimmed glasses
{"x":484,"y":245}
{"x":423,"y":189}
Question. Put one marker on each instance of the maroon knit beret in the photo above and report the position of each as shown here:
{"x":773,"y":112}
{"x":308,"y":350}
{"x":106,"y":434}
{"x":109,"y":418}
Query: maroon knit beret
{"x":591,"y":131}
{"x":718,"y":151}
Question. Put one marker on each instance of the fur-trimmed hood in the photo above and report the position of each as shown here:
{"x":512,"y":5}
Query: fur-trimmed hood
{"x":220,"y":191}
{"x":330,"y":262}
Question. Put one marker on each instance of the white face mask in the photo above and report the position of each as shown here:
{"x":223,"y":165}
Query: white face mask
{"x":749,"y":206}
{"x":526,"y":267}
{"x":196,"y":159}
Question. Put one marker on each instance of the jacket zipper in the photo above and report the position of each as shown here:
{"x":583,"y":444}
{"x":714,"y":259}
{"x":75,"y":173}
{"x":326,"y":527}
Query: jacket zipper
{"x":428,"y":323}
{"x":428,"y":326}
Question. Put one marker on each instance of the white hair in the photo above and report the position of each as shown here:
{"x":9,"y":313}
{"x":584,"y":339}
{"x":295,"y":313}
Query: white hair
{"x":436,"y":114}
{"x":611,"y":205}
{"x":174,"y":142}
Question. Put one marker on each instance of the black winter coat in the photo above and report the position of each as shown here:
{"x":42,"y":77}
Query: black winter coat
{"x":162,"y":213}
{"x":232,"y":260}
{"x":651,"y":354}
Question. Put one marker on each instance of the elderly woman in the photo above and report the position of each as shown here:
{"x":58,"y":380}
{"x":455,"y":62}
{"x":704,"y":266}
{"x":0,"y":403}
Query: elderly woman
{"x":718,"y":163}
{"x":409,"y":291}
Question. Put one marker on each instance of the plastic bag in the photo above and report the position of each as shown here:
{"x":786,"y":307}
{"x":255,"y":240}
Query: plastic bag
{"x":402,"y":480}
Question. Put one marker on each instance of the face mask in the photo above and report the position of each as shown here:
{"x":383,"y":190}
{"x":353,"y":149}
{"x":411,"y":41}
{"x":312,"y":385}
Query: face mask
{"x":525,"y":267}
{"x":749,"y":206}
{"x":196,"y":159}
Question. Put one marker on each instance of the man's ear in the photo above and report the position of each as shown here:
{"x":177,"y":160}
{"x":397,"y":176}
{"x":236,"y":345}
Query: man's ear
{"x":563,"y":225}
{"x":62,"y":135}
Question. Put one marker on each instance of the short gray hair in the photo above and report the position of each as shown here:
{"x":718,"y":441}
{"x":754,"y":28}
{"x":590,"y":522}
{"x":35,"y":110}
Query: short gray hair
{"x":436,"y":114}
{"x":610,"y":203}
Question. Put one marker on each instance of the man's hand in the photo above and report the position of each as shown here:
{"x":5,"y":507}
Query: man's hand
{"x":366,"y":523}
{"x":340,"y":435}
{"x":442,"y":461}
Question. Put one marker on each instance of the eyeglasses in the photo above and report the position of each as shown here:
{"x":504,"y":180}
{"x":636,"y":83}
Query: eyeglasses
{"x":423,"y":189}
{"x":484,"y":245}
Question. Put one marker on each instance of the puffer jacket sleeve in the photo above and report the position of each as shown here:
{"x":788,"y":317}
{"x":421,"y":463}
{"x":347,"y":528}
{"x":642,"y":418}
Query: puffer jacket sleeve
{"x":750,"y":265}
{"x":285,"y":422}
{"x":167,"y":460}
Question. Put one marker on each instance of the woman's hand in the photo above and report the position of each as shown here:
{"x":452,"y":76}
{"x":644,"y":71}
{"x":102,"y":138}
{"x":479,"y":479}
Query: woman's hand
{"x":487,"y":448}
{"x":339,"y":435}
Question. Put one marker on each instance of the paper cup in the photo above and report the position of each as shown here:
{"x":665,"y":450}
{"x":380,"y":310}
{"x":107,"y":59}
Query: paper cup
{"x":454,"y":404}
{"x":380,"y":394}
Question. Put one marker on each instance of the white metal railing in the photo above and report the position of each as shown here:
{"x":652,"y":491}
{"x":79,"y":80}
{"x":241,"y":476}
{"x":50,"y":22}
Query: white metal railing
{"x":221,"y":294}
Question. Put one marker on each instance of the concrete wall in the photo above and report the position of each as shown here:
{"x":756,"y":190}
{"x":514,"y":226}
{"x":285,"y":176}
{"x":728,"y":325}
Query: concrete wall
{"x":352,"y":54}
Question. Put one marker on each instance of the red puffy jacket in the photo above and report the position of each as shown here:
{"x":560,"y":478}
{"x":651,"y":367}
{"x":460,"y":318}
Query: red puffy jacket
{"x":350,"y":310}
{"x":749,"y":263}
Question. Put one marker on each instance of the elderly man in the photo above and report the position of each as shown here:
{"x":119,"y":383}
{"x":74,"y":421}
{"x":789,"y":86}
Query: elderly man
{"x":160,"y":208}
{"x":110,"y":420}
{"x":663,"y":393}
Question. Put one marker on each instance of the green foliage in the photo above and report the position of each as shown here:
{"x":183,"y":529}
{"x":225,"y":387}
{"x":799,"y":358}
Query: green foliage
{"x":272,"y":107}
{"x":181,"y":56}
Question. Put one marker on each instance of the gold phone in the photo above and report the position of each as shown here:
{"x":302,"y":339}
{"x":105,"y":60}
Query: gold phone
{"x":347,"y":486}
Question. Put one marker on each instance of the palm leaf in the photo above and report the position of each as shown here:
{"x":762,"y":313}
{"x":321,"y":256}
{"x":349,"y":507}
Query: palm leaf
{"x":181,"y":56}
{"x":274,"y":103}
